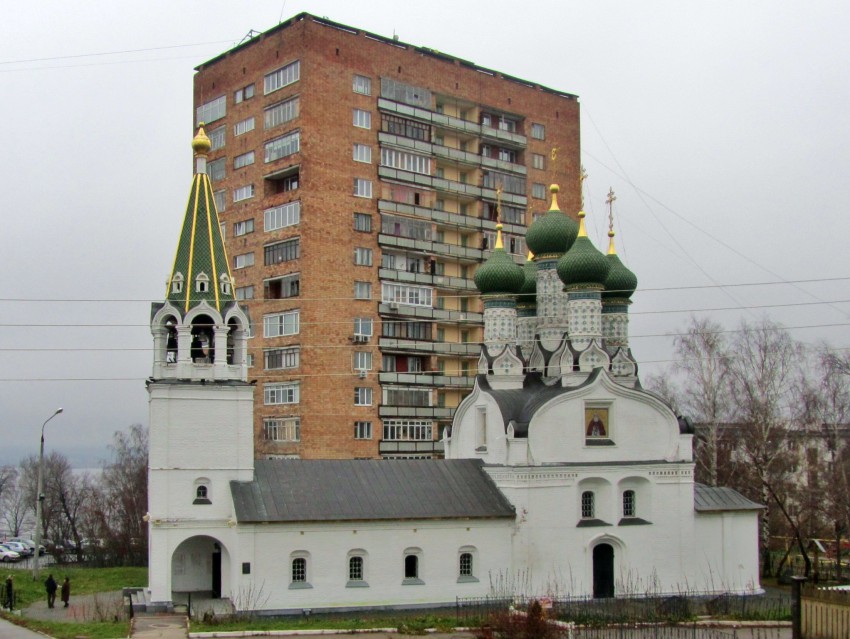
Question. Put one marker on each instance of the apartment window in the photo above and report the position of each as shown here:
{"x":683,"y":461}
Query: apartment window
{"x":363,"y":222}
{"x":278,"y":288}
{"x":588,"y":505}
{"x":409,"y":295}
{"x":243,"y":160}
{"x":629,"y":503}
{"x":282,"y":77}
{"x":241,"y":261}
{"x":538,"y":191}
{"x":284,"y":393}
{"x":507,"y":155}
{"x":407,"y":330}
{"x":362,"y":153}
{"x":508,"y":183}
{"x":281,"y":324}
{"x":538,"y":161}
{"x":245,"y":93}
{"x":282,"y":216}
{"x":281,"y":113}
{"x":282,"y":251}
{"x":217,"y":138}
{"x":362,"y":290}
{"x":282,"y":430}
{"x":408,"y":430}
{"x":242,"y":127}
{"x":243,"y":192}
{"x":362,"y":188}
{"x":406,"y":128}
{"x":507,"y":124}
{"x":215,"y":169}
{"x":282,"y":358}
{"x":362,"y":256}
{"x":406,"y":161}
{"x":362,"y":84}
{"x":362,"y":119}
{"x":362,"y":360}
{"x":406,"y":396}
{"x":538,"y":131}
{"x":362,"y":396}
{"x":363,"y":326}
{"x":283,"y":146}
{"x":211,"y":111}
{"x":243,"y":228}
{"x":220,"y":198}
{"x":362,"y":430}
{"x":244,"y":293}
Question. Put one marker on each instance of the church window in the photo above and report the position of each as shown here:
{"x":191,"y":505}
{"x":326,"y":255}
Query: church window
{"x":355,"y":569}
{"x":202,"y":491}
{"x":412,"y":567}
{"x":629,"y":504}
{"x":202,"y":283}
{"x":177,"y":283}
{"x":588,"y":505}
{"x":299,"y":575}
{"x":465,"y":564}
{"x":225,"y":284}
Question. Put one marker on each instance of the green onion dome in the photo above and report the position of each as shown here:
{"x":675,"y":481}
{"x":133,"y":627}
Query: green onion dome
{"x":621,"y":282}
{"x":499,"y":274}
{"x":528,"y":291}
{"x":583,"y":266}
{"x":551,"y":235}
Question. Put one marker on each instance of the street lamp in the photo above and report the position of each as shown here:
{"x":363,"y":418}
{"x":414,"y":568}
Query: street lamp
{"x":39,"y":497}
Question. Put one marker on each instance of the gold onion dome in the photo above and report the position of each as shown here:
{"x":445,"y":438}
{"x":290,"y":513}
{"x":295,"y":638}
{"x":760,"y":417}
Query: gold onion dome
{"x":583,"y":266}
{"x":499,"y":274}
{"x":621,"y":283}
{"x":552,"y":234}
{"x":201,"y":143}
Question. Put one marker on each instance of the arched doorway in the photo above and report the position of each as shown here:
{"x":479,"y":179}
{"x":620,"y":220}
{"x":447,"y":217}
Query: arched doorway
{"x":603,"y":571}
{"x":199,"y":565}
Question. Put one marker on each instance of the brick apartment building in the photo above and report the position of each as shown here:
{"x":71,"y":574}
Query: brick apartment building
{"x":357,"y":179}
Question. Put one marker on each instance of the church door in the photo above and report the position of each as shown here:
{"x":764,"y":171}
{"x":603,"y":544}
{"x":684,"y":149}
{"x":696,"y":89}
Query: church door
{"x":216,"y":572}
{"x":603,"y":571}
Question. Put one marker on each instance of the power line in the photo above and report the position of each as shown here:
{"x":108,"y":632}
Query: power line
{"x":106,"y":53}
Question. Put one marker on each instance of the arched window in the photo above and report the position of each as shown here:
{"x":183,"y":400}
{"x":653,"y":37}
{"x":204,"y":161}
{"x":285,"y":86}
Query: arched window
{"x":412,"y":566}
{"x":299,"y":570}
{"x":177,"y":283}
{"x":202,"y":491}
{"x":202,"y":283}
{"x":202,"y":348}
{"x":225,"y":284}
{"x":588,"y":505}
{"x":355,"y":568}
{"x":629,"y":504}
{"x":170,"y":341}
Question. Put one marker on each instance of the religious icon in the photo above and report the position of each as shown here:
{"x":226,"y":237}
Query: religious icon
{"x":597,"y":422}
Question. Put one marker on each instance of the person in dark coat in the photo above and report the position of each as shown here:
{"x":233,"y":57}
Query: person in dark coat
{"x":50,"y":586}
{"x":10,"y":593}
{"x":66,"y":591}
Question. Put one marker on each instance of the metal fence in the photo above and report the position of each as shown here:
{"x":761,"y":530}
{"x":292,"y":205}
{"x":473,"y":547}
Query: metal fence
{"x":633,"y":610}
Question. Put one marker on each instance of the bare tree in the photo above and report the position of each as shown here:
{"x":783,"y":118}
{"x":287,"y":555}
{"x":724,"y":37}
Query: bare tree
{"x":15,"y":507}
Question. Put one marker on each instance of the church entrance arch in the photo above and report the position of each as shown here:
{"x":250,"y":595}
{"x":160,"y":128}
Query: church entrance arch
{"x":200,"y":564}
{"x":603,"y":571}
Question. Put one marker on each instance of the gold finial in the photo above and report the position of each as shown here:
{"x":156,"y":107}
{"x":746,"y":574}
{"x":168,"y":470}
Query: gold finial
{"x":553,"y":189}
{"x":499,"y":244}
{"x":582,"y":231}
{"x":201,"y":143}
{"x":499,"y":203}
{"x":610,"y":202}
{"x":554,"y":153}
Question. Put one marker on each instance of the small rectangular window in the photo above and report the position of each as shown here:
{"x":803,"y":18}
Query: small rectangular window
{"x":362,"y":119}
{"x":282,"y":77}
{"x":362,"y":84}
{"x":282,"y":430}
{"x":241,"y":261}
{"x":285,"y":393}
{"x":362,"y":153}
{"x":240,"y":128}
{"x":281,"y":324}
{"x":362,"y":360}
{"x":245,"y":93}
{"x":362,"y":430}
{"x":217,"y":138}
{"x":246,"y":159}
{"x":362,"y":290}
{"x":220,"y":198}
{"x":283,"y":146}
{"x":538,"y":161}
{"x":282,"y":358}
{"x":243,"y":228}
{"x":362,"y":188}
{"x":538,"y":131}
{"x":215,"y":169}
{"x":280,"y":113}
{"x":211,"y":111}
{"x":363,"y":256}
{"x":282,"y":216}
{"x":363,"y":326}
{"x":363,"y":222}
{"x":244,"y":293}
{"x":362,"y":396}
{"x":243,"y":192}
{"x":538,"y":191}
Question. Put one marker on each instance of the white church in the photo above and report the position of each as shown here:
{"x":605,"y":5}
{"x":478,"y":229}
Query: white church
{"x":562,"y":475}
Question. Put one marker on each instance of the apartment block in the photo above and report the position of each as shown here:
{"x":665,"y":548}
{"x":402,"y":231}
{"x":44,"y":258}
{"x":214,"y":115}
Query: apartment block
{"x":358,"y":182}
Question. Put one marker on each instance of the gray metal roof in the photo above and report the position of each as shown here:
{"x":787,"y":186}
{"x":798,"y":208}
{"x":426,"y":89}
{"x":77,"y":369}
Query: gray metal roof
{"x":713,"y":499}
{"x":292,"y":490}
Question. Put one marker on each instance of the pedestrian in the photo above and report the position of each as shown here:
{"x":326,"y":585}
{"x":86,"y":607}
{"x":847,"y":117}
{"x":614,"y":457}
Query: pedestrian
{"x":66,"y":591}
{"x":10,"y":593}
{"x":50,"y":586}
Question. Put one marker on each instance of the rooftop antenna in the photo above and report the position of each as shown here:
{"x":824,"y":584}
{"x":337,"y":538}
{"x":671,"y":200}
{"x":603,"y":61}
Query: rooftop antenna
{"x":395,"y":36}
{"x":252,"y":33}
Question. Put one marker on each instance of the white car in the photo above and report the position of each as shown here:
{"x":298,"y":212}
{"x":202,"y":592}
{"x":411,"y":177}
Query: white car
{"x":18,"y":547}
{"x":7,"y":554}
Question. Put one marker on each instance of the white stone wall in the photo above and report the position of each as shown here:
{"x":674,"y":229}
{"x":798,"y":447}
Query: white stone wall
{"x":500,"y":326}
{"x":552,"y":321}
{"x":615,"y":329}
{"x":726,"y":551}
{"x":585,"y":318}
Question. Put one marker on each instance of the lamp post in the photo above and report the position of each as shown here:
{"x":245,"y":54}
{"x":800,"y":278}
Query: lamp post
{"x":39,"y":498}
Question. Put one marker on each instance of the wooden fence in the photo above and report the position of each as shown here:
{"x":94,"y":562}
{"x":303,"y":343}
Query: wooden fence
{"x":825,"y":613}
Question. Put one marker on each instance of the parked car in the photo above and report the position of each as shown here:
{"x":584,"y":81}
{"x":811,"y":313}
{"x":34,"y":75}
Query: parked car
{"x":7,"y":554}
{"x":18,"y":547}
{"x":52,"y":546}
{"x":29,"y":543}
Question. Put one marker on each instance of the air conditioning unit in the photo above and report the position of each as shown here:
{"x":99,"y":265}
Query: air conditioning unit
{"x":361,"y":374}
{"x":360,"y":339}
{"x":393,"y":306}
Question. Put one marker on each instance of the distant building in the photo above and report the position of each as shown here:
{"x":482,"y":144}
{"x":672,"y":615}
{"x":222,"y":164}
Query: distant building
{"x":562,"y":474}
{"x":356,"y":180}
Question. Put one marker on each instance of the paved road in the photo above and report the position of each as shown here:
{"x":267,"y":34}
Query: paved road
{"x":9,"y":630}
{"x":158,"y":627}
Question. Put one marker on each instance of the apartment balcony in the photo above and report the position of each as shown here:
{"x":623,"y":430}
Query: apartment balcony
{"x":427,"y":379}
{"x":463,"y":253}
{"x":437,"y":281}
{"x":459,"y":189}
{"x":457,"y":349}
{"x":451,"y":154}
{"x":419,"y":412}
{"x":387,"y":447}
{"x":429,"y":313}
{"x":451,"y":123}
{"x":454,"y":349}
{"x":445,"y":218}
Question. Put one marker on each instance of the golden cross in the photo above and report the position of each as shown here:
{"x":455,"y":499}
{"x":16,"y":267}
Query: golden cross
{"x":554,"y":153}
{"x":582,"y":176}
{"x":610,"y":201}
{"x":499,"y":203}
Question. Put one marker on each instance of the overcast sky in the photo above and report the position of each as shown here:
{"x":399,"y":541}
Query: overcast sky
{"x":722,"y":126}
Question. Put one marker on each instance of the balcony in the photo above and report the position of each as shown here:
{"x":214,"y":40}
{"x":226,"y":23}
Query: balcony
{"x":437,"y":281}
{"x":427,"y":312}
{"x":427,"y":379}
{"x":447,"y":218}
{"x":448,"y":153}
{"x":386,"y":447}
{"x":459,"y":189}
{"x":464,"y":253}
{"x":421,"y":412}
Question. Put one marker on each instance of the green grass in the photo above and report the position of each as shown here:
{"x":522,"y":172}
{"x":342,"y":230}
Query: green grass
{"x":84,"y":581}
{"x":92,"y":630}
{"x":407,"y":624}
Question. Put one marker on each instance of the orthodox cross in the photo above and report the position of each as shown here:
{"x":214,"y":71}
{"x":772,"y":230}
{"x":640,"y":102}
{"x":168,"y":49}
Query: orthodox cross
{"x":610,"y":202}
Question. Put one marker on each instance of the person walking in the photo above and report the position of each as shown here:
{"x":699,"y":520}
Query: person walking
{"x":66,"y":591}
{"x":10,"y":593}
{"x":50,"y":586}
